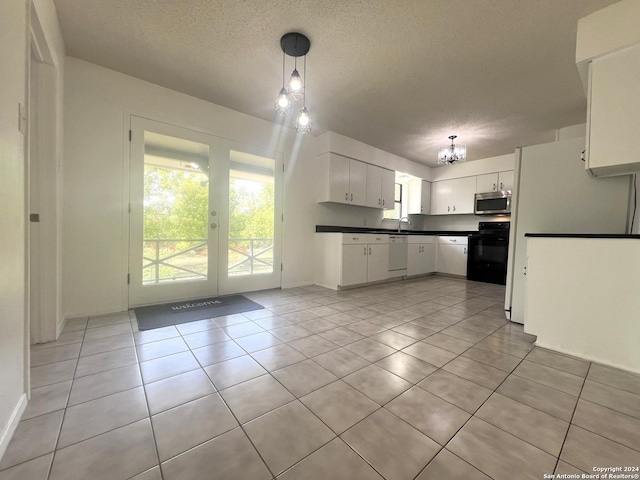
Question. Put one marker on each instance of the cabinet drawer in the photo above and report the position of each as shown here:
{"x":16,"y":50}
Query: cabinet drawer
{"x":447,"y":240}
{"x":413,"y":239}
{"x":363,"y":238}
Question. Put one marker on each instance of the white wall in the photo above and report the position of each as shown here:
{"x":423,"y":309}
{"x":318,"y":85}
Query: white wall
{"x":98,"y":102}
{"x":13,"y":293}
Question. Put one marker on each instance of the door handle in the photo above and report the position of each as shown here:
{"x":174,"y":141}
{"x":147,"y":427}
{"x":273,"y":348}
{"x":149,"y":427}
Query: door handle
{"x":214,"y":226}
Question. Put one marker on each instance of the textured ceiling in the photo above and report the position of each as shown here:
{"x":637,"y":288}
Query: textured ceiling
{"x":401,"y":75}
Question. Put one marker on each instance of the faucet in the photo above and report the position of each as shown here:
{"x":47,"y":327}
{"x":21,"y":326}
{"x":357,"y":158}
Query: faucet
{"x":400,"y":223}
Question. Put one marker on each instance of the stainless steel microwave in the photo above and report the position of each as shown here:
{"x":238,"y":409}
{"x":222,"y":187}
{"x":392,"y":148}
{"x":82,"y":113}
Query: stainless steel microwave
{"x":492,"y":203}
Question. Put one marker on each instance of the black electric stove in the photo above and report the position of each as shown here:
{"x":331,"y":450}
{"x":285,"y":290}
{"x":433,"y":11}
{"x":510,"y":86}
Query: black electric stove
{"x":488,"y":249}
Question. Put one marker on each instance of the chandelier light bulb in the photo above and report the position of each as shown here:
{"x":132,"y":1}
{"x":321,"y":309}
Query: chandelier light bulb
{"x":303,"y":124}
{"x":294,"y":87}
{"x":283,"y":104}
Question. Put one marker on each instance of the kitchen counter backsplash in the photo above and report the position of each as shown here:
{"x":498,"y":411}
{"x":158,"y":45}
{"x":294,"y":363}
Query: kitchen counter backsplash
{"x":339,"y":229}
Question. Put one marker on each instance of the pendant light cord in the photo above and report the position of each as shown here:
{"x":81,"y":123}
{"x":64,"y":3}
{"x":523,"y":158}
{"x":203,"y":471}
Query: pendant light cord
{"x":304,"y":85}
{"x":283,"y":67}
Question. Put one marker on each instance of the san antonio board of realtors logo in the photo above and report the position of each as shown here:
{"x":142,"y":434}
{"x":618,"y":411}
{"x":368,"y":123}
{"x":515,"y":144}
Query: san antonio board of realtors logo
{"x":189,"y":306}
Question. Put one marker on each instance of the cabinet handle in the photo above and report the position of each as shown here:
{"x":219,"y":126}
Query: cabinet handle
{"x":355,"y":238}
{"x":448,"y":209}
{"x":465,"y":250}
{"x":352,"y":197}
{"x":379,"y":202}
{"x":453,"y":239}
{"x":369,"y":250}
{"x":454,"y":208}
{"x":500,"y":185}
{"x":346,"y":196}
{"x":421,"y":209}
{"x":494,"y":186}
{"x":365,"y":250}
{"x":383,"y":202}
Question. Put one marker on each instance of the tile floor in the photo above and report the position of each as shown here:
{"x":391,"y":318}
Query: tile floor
{"x":419,"y":379}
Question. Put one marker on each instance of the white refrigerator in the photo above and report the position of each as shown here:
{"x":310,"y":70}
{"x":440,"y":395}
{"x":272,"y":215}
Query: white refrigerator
{"x":553,"y":193}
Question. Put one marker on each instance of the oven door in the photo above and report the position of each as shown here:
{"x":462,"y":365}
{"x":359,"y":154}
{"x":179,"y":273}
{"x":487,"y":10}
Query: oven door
{"x":487,"y":260}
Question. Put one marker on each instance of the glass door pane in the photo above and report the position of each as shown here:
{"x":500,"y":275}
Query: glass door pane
{"x":173,"y":225}
{"x":251,"y":258}
{"x":175,"y":210}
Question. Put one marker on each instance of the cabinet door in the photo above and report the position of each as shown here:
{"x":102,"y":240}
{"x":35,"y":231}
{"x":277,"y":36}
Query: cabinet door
{"x":452,"y":259}
{"x":357,"y":182}
{"x":374,"y":186}
{"x":613,"y":128}
{"x":487,"y":183}
{"x":338,"y":179}
{"x":378,"y":262}
{"x":425,"y":197}
{"x":441,"y":195}
{"x":354,"y":264}
{"x":464,"y":190}
{"x":505,"y":180}
{"x":429,"y":258}
{"x":413,"y":195}
{"x":388,"y":189}
{"x":414,"y":256}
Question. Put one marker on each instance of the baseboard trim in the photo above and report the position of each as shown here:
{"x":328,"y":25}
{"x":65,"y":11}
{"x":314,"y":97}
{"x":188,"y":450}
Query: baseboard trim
{"x":10,"y":428}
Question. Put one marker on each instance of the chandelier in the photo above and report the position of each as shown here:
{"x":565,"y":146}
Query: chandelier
{"x":452,"y":154}
{"x":294,"y":45}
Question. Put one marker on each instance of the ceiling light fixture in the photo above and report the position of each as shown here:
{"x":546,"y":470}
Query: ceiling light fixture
{"x":295,"y":45}
{"x":452,"y":154}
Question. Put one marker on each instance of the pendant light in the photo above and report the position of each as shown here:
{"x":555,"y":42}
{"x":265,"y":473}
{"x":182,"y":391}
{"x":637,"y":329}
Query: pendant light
{"x":295,"y":45}
{"x":283,"y":104}
{"x":303,"y":123}
{"x":452,"y":154}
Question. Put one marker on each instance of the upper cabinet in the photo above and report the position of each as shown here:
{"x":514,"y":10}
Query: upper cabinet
{"x":453,"y":196}
{"x":349,"y":181}
{"x":493,"y":182}
{"x":613,"y":124}
{"x":419,"y":197}
{"x":380,"y":187}
{"x":345,"y":180}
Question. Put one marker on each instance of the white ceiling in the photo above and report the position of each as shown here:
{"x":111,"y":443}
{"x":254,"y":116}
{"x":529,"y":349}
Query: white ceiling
{"x":401,"y":75}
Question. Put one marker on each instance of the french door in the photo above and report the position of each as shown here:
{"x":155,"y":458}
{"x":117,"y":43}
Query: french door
{"x":203,"y":215}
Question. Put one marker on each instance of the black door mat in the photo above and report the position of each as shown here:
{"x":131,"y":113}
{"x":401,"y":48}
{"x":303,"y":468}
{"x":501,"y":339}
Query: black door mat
{"x":158,"y":316}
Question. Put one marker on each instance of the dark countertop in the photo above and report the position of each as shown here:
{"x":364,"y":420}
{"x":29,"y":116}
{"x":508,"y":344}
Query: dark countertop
{"x":580,"y":235}
{"x":338,"y":229}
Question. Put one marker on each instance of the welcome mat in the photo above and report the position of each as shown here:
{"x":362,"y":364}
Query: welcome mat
{"x":158,"y":316}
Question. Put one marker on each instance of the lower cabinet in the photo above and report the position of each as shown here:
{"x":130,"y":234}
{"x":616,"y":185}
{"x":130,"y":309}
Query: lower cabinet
{"x":421,"y":257}
{"x":345,"y":259}
{"x":452,"y":255}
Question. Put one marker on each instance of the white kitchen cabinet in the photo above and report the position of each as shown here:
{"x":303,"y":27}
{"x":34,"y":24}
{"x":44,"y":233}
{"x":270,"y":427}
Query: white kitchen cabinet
{"x":421,"y":258}
{"x":613,"y":128}
{"x":347,"y":259}
{"x":419,"y":197}
{"x":487,"y":183}
{"x":354,"y":264}
{"x":343,"y":180}
{"x":449,"y":197}
{"x":493,"y":182}
{"x":452,"y":255}
{"x":388,"y":189}
{"x":377,"y":261}
{"x":505,"y":180}
{"x":380,"y":184}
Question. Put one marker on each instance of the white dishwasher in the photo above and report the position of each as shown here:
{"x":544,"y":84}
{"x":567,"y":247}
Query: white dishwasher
{"x":398,"y":255}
